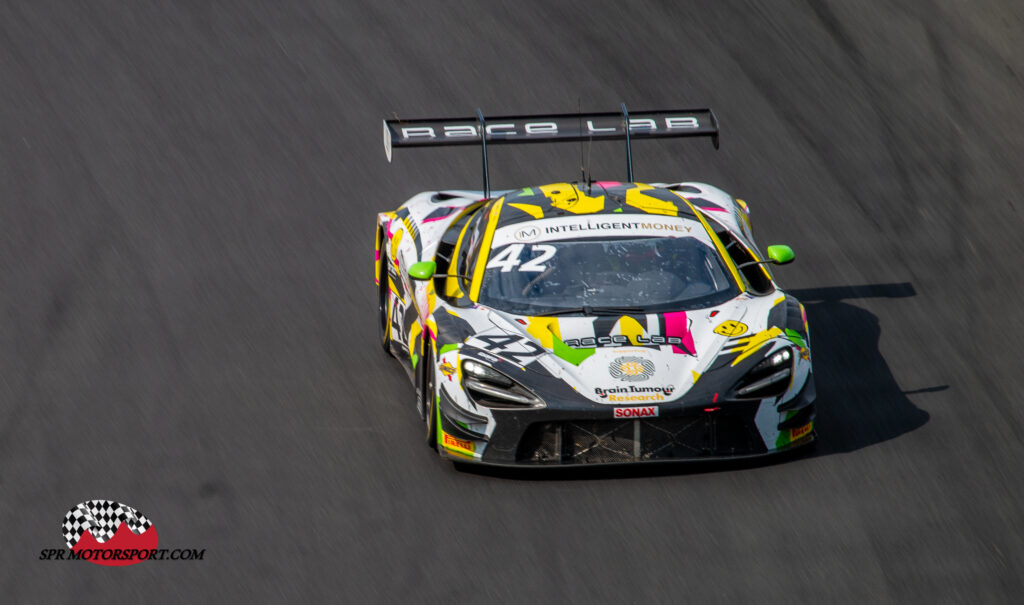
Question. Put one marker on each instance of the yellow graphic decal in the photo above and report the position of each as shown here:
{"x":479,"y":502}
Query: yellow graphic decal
{"x":566,"y":197}
{"x":395,"y":240}
{"x":747,"y":346}
{"x":696,"y":376}
{"x":778,"y":300}
{"x":531,"y":209}
{"x":414,"y":333}
{"x":431,"y":298}
{"x":630,"y":328}
{"x":376,"y":256}
{"x":544,"y":329}
{"x":559,"y":193}
{"x":410,"y":227}
{"x":731,"y":328}
{"x":390,"y":306}
{"x":485,"y":250}
{"x":447,"y":368}
{"x":651,"y":205}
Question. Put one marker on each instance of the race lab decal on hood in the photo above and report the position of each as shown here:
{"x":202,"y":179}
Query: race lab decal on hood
{"x":584,"y":334}
{"x":669,"y":351}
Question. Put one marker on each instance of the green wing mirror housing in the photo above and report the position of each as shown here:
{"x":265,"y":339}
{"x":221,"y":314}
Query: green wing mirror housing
{"x":424,"y":270}
{"x":777,"y":254}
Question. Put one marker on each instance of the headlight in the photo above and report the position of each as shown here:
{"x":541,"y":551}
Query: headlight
{"x":492,"y":389}
{"x":777,"y":359}
{"x":770,"y":378}
{"x":479,"y":371}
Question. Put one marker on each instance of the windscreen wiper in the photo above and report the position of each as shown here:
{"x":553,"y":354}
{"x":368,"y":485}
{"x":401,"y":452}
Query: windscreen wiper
{"x":613,"y":310}
{"x":565,"y":311}
{"x":588,"y":310}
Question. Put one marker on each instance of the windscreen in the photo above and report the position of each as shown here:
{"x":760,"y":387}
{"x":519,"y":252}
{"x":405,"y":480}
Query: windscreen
{"x":639,"y":274}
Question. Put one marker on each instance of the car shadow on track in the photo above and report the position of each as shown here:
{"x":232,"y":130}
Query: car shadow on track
{"x":859,"y":402}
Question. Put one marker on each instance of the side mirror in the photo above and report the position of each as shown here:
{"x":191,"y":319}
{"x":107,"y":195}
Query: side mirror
{"x":424,"y":270}
{"x":777,"y":254}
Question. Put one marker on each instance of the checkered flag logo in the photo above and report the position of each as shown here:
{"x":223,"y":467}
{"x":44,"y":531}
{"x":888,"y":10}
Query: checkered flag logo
{"x":101,"y":518}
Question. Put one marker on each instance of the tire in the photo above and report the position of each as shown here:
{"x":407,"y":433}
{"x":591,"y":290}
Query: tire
{"x":383,"y":303}
{"x":428,"y":394}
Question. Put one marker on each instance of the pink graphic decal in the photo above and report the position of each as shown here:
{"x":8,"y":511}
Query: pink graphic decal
{"x":676,"y":325}
{"x":607,"y":184}
{"x":705,"y":205}
{"x":440,"y":213}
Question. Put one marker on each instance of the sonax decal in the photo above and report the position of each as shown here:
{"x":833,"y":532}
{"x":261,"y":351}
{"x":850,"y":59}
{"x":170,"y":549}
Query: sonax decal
{"x":636,"y":412}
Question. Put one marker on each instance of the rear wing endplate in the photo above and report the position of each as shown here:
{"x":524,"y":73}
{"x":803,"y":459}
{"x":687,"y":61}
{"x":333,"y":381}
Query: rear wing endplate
{"x":551,"y":128}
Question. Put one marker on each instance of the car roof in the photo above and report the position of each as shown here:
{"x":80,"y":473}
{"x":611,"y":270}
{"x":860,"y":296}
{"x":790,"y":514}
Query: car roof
{"x":601,"y":197}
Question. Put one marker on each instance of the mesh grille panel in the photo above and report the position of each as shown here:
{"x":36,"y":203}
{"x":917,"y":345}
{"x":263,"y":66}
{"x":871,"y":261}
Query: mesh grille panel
{"x":598,"y":441}
{"x":609,"y":441}
{"x":667,"y":438}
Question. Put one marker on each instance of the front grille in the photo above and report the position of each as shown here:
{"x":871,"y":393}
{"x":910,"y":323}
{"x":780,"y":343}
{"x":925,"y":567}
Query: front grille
{"x":715,"y":434}
{"x":598,"y":441}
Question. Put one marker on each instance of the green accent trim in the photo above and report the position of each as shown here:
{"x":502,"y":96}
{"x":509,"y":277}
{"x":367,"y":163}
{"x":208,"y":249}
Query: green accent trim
{"x":783,"y":439}
{"x":525,"y":192}
{"x":617,"y":210}
{"x":447,"y":348}
{"x":423,"y":270}
{"x":573,"y":356}
{"x":415,"y":359}
{"x":780,"y":254}
{"x":795,"y":337}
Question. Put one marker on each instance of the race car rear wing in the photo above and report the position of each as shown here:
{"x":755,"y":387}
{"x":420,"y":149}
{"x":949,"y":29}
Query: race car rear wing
{"x":551,"y":128}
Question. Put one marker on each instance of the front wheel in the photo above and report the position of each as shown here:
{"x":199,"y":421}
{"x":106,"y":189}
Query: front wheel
{"x":383,"y":305}
{"x":428,"y":394}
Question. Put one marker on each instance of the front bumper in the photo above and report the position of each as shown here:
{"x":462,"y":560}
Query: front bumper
{"x":590,"y":436}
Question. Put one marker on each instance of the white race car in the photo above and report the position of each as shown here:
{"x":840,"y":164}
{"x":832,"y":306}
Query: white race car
{"x":593,"y":322}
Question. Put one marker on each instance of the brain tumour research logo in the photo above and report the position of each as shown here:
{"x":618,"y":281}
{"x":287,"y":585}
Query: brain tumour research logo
{"x":631,"y":369}
{"x":109,"y":533}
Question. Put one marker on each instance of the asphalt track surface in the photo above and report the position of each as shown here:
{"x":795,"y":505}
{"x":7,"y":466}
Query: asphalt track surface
{"x":187,"y":195}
